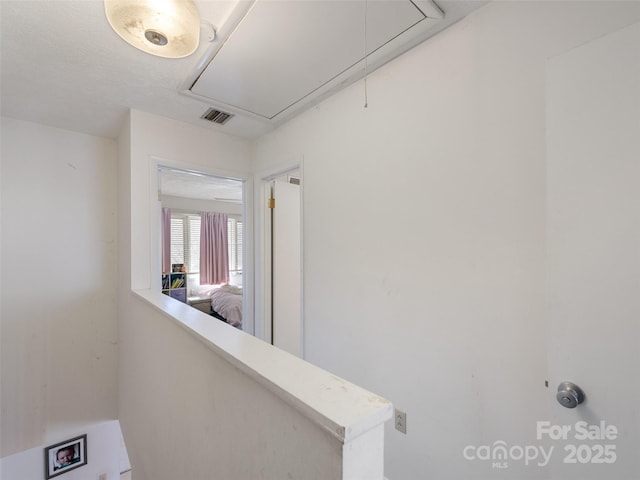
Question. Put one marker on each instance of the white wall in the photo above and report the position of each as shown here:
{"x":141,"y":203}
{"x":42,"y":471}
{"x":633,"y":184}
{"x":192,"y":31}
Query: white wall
{"x":449,"y":321}
{"x":59,"y":306}
{"x":144,"y":139}
{"x":200,"y":399}
{"x":191,"y":412}
{"x":173,"y":143}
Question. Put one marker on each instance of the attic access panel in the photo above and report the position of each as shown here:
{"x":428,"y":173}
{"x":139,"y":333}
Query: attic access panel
{"x":285,"y":55}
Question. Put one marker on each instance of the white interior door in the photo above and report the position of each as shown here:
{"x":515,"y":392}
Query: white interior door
{"x":286,"y":267}
{"x":593,"y":175}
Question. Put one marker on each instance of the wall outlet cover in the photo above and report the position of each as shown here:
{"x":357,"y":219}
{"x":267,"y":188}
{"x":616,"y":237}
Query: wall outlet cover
{"x":400,"y":421}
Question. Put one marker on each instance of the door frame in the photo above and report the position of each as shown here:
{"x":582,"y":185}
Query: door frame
{"x":263,"y":269}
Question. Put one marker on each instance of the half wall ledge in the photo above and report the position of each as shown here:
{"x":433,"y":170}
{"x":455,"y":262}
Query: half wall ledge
{"x":345,"y":410}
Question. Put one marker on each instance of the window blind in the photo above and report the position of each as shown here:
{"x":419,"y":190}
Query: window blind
{"x":234,"y":233}
{"x":177,"y":240}
{"x":185,"y":242}
{"x":193,"y":252}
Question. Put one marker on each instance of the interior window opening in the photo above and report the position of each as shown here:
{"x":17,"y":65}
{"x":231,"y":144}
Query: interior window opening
{"x":202,"y":242}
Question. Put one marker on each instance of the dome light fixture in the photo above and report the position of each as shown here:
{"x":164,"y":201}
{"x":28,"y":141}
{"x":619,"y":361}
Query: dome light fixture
{"x":165,"y":28}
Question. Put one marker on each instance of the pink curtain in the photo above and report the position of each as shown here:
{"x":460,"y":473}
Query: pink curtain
{"x":166,"y":240}
{"x":214,"y":249}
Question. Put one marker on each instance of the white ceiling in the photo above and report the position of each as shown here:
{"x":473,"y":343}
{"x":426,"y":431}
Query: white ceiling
{"x":63,"y":66}
{"x":189,"y":184}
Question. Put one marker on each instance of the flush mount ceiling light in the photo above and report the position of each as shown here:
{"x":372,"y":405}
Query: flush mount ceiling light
{"x":165,"y":28}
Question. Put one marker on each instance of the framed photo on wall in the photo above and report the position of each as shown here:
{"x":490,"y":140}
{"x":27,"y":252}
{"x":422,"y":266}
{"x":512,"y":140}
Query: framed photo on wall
{"x":65,"y":456}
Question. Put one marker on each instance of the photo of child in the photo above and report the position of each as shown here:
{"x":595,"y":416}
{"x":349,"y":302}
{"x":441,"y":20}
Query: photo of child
{"x":66,"y":456}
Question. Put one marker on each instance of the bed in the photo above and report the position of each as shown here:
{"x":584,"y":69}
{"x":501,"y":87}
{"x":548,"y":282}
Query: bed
{"x":226,"y":304}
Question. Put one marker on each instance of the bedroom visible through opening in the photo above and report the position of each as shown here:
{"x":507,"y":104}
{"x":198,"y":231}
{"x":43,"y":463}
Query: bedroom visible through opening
{"x":202,"y":241}
{"x":185,"y":247}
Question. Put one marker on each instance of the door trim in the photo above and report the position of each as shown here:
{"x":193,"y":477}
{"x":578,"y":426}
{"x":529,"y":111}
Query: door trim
{"x":263,"y":272}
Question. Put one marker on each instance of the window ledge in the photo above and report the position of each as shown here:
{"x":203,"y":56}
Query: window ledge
{"x":340,"y":407}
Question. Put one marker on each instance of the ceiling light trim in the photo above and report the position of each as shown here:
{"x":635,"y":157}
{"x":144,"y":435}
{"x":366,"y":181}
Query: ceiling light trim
{"x":168,"y":29}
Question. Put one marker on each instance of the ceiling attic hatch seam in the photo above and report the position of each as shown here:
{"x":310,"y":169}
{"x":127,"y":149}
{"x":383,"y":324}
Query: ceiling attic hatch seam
{"x":434,"y":12}
{"x":275,"y":80}
{"x":323,"y":86}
